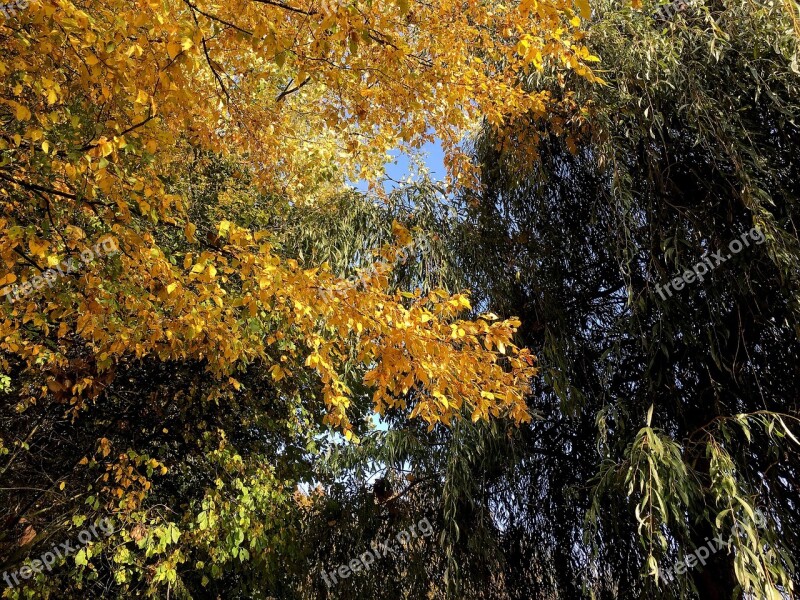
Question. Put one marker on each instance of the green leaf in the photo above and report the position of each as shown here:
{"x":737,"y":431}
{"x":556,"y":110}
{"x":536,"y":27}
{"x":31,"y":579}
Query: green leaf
{"x":80,"y":557}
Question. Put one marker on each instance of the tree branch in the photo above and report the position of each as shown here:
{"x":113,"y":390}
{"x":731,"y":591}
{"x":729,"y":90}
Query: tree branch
{"x":287,"y":7}
{"x":288,"y":91}
{"x":213,"y":70}
{"x":216,"y":18}
{"x":34,"y":187}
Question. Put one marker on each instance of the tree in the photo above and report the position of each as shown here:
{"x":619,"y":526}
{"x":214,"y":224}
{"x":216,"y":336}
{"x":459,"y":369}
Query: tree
{"x":665,"y":417}
{"x":201,"y":345}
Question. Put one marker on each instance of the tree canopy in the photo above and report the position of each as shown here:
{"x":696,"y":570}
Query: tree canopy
{"x":256,"y":373}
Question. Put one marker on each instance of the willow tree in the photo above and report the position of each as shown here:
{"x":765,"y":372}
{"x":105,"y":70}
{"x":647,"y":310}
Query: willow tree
{"x":666,"y":416}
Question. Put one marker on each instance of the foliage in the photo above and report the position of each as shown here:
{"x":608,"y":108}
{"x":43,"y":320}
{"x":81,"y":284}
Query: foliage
{"x":213,"y":386}
{"x":689,"y":397}
{"x":154,"y":125}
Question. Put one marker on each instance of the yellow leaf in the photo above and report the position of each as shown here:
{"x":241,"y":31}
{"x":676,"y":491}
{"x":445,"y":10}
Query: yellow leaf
{"x":38,"y":247}
{"x":173,"y":49}
{"x":105,"y":446}
{"x":586,"y":11}
{"x":22,"y":113}
{"x":401,"y":234}
{"x":190,"y":231}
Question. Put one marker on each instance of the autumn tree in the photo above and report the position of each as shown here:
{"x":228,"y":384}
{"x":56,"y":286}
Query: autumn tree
{"x":179,"y":383}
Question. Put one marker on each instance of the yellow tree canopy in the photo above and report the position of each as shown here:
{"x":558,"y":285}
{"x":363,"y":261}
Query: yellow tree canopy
{"x":103,"y":102}
{"x":294,"y":87}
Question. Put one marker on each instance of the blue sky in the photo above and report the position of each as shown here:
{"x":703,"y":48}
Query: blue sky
{"x":400,"y":167}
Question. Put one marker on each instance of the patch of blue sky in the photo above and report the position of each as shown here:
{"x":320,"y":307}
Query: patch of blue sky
{"x":403,"y":165}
